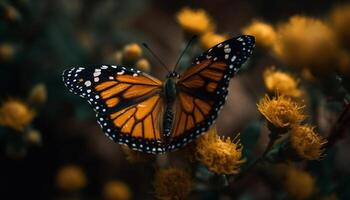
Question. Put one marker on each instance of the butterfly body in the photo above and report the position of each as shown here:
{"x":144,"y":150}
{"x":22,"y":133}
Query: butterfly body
{"x":169,"y":91}
{"x":152,"y":116}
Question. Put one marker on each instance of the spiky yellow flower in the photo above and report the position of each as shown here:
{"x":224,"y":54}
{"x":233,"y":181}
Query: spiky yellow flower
{"x":302,"y":42}
{"x":136,"y":156}
{"x":264,"y":33}
{"x":298,"y":183}
{"x":220,"y":155}
{"x":172,"y":184}
{"x":210,"y":39}
{"x":116,"y":190}
{"x":281,"y":111}
{"x":15,"y":114}
{"x":281,"y":82}
{"x":143,"y":65}
{"x":340,"y":17}
{"x":71,"y":178}
{"x":38,"y":94}
{"x":194,"y":21}
{"x":132,"y":52}
{"x":306,"y":142}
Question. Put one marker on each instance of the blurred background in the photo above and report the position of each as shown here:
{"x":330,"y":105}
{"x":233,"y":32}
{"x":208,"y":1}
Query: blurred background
{"x":52,"y":148}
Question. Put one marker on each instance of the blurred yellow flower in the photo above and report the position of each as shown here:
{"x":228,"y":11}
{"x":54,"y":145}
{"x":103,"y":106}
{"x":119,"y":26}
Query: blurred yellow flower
{"x":307,"y":144}
{"x":38,"y":94}
{"x":281,"y":111}
{"x":116,"y":190}
{"x":281,"y":82}
{"x":132,"y":52}
{"x":11,"y":13}
{"x":344,"y":62}
{"x":136,"y":156}
{"x":194,"y":21}
{"x":33,"y":137}
{"x":15,"y":114}
{"x":7,"y":51}
{"x":306,"y":42}
{"x":340,"y":17}
{"x":143,"y":65}
{"x":172,"y":184}
{"x":220,"y":155}
{"x":71,"y":178}
{"x":264,"y":33}
{"x":210,"y":39}
{"x":299,"y":184}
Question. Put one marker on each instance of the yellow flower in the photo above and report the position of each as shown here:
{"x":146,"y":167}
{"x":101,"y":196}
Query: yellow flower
{"x":194,"y":21}
{"x":340,"y":17}
{"x":172,"y":184}
{"x":281,"y":111}
{"x":38,"y":94}
{"x":264,"y":33}
{"x":136,"y":156}
{"x":33,"y":137}
{"x":344,"y":62}
{"x":281,"y":82}
{"x":220,"y":155}
{"x":15,"y":114}
{"x":71,"y":178}
{"x":11,"y":13}
{"x":306,"y":42}
{"x":298,"y":183}
{"x":132,"y":52}
{"x":307,"y":144}
{"x":143,"y":65}
{"x":116,"y":190}
{"x":7,"y":51}
{"x":210,"y":39}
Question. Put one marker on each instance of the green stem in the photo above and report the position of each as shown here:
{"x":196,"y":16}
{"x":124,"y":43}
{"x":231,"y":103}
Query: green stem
{"x":257,"y":160}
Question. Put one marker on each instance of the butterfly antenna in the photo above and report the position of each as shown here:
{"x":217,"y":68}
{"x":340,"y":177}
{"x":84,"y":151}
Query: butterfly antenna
{"x":185,"y":49}
{"x":155,"y":56}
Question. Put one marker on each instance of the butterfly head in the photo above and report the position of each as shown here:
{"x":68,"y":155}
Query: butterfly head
{"x":173,"y":75}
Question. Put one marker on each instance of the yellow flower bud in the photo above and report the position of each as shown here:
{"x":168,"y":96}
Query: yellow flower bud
{"x":15,"y":114}
{"x":71,"y":178}
{"x":116,"y":190}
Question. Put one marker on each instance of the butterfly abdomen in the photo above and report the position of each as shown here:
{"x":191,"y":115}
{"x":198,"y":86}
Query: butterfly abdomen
{"x":169,"y":96}
{"x":167,"y":121}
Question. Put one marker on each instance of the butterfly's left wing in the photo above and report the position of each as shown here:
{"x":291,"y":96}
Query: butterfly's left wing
{"x":202,"y":89}
{"x":127,"y":102}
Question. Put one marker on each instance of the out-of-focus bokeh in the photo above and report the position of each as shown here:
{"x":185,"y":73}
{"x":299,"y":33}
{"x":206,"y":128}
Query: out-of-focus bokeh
{"x":283,"y":133}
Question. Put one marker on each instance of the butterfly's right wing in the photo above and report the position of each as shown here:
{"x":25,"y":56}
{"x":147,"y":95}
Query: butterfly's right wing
{"x":127,"y":102}
{"x":202,"y":89}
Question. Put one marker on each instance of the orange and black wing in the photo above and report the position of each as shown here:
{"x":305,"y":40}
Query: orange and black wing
{"x":127,"y":102}
{"x":202,"y":89}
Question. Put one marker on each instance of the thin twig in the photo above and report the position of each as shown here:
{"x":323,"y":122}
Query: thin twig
{"x":339,"y":127}
{"x":257,"y":160}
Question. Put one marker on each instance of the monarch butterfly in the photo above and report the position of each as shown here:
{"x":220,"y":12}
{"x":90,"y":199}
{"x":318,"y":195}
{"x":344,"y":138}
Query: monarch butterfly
{"x":152,"y":116}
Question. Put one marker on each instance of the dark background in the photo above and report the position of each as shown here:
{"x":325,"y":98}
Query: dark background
{"x":54,"y":35}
